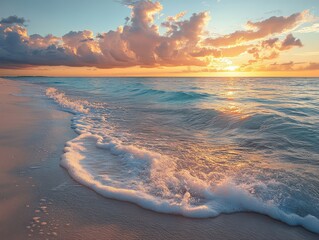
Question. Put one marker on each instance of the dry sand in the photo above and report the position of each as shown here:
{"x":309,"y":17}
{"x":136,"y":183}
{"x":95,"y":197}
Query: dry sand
{"x":38,"y":199}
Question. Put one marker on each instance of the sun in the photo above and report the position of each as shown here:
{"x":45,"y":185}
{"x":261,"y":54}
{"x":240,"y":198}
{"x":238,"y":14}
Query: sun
{"x":231,"y":68}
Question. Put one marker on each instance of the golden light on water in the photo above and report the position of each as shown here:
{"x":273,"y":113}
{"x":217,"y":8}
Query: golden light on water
{"x":230,"y":93}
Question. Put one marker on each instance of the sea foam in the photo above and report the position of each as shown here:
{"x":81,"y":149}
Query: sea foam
{"x":77,"y":106}
{"x":151,"y":179}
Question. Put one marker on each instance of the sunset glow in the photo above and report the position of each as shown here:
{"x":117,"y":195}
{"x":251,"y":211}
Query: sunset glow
{"x":156,"y":40}
{"x":159,"y":119}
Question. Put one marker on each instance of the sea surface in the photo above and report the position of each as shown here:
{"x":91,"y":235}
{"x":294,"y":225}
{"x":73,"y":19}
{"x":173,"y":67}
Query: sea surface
{"x":196,"y":147}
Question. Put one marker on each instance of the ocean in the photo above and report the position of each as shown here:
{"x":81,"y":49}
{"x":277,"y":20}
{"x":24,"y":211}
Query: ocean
{"x":197,"y":147}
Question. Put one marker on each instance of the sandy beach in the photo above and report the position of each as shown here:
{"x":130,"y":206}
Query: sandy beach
{"x":39,"y":200}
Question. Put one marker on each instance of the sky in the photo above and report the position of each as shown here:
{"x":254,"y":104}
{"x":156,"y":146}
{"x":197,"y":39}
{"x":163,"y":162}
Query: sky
{"x":159,"y":38}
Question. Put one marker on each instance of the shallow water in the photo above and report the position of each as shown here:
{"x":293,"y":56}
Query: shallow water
{"x":197,"y":147}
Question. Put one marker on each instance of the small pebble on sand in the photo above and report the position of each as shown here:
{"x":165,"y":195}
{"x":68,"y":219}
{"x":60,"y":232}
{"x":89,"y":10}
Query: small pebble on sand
{"x":36,"y":219}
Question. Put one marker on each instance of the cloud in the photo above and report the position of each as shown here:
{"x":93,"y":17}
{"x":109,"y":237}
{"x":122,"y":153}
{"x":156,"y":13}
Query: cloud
{"x":310,"y":29}
{"x":271,"y":48}
{"x":37,"y":41}
{"x":290,"y":42}
{"x":176,"y":17}
{"x":234,"y":51}
{"x":295,"y":66}
{"x":181,"y":45}
{"x":138,"y":43}
{"x":141,"y":43}
{"x":12,"y":20}
{"x":207,"y":52}
{"x":286,"y":66}
{"x":312,"y":66}
{"x":262,"y":29}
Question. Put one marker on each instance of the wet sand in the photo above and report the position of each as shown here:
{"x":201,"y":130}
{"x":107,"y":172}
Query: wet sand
{"x":38,"y":199}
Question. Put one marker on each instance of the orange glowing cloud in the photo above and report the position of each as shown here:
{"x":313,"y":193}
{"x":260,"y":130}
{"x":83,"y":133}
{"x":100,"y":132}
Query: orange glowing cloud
{"x":262,"y":29}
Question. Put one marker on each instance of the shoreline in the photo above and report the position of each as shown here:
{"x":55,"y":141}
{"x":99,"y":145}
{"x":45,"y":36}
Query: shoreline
{"x":33,"y":135}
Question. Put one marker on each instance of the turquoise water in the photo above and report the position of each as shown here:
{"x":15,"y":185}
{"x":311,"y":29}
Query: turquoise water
{"x":196,"y":147}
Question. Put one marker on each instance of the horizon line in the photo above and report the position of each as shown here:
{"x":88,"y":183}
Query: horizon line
{"x":150,"y":76}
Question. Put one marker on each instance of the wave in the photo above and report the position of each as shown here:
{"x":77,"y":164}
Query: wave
{"x":76,"y":106}
{"x":126,"y":171}
{"x":170,"y":95}
{"x":257,"y":131}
